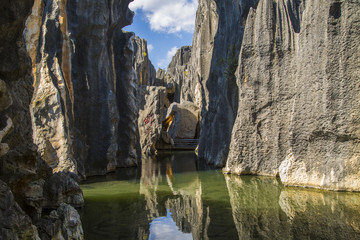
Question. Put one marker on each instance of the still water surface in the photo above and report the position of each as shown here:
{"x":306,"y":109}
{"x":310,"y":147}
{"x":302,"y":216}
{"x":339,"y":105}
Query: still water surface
{"x":177,"y":197}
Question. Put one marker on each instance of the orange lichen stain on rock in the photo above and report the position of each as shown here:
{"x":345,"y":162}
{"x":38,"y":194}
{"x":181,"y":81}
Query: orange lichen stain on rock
{"x":32,"y":33}
{"x":245,"y":78}
{"x":66,"y":51}
{"x":167,"y":122}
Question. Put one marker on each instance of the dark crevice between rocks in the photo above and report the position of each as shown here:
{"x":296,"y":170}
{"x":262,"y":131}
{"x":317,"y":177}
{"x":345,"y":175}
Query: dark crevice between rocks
{"x":335,"y":10}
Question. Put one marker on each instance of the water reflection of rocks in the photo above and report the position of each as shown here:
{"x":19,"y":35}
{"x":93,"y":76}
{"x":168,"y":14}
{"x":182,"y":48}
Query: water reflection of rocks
{"x":185,"y":202}
{"x":175,"y":193}
{"x":262,"y":209}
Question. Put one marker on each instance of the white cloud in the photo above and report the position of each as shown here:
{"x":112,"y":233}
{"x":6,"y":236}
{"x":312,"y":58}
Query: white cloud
{"x":163,"y":63}
{"x":150,"y":47}
{"x":172,"y":52}
{"x":171,"y":16}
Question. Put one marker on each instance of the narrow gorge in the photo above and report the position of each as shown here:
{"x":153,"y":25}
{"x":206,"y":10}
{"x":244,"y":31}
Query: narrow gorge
{"x":268,"y":87}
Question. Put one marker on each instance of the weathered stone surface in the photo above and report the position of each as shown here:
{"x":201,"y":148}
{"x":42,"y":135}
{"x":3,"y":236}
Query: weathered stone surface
{"x":5,"y":98}
{"x":151,"y":114}
{"x":216,"y":44}
{"x":144,"y":69}
{"x":14,"y":223}
{"x":160,"y":77}
{"x":298,"y":88}
{"x":16,"y":84}
{"x":185,"y":118}
{"x":84,"y":104}
{"x":261,"y":131}
{"x":62,"y":188}
{"x":23,"y":171}
{"x":178,"y":72}
{"x":63,"y":223}
{"x":6,"y":123}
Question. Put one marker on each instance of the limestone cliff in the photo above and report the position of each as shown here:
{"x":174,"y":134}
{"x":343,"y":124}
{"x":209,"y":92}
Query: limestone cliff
{"x":144,"y":69}
{"x":216,"y":45}
{"x":298,"y":79}
{"x":178,"y":72}
{"x":279,"y":80}
{"x":27,"y":184}
{"x":84,"y":103}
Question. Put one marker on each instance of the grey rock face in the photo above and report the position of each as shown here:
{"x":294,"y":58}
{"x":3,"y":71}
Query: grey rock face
{"x":144,"y":69}
{"x":14,"y":223}
{"x":16,"y":85}
{"x":216,"y":44}
{"x":160,"y":77}
{"x":178,"y":72}
{"x":184,"y":120}
{"x":261,"y":131}
{"x":84,"y":103}
{"x":63,"y":223}
{"x":151,"y":114}
{"x":6,"y":122}
{"x":24,"y":175}
{"x":298,"y":81}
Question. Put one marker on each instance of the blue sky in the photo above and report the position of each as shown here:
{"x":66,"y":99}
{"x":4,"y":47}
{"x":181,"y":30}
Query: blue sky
{"x":167,"y":25}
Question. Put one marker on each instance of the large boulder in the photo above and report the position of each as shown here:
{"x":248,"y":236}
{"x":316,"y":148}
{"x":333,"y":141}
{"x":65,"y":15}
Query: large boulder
{"x":183,"y":120}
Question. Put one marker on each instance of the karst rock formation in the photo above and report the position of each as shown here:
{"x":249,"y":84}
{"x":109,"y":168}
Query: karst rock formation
{"x":275,"y":85}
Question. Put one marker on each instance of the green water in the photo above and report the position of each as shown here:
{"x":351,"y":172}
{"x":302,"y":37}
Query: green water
{"x":177,"y":197}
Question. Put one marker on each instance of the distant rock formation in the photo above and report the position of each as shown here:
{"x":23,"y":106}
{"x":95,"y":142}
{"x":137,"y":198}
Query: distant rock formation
{"x":178,"y":72}
{"x":160,"y":77}
{"x":145,"y":71}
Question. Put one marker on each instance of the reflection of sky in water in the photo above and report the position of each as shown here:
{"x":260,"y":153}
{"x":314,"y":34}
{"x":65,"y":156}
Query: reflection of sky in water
{"x":165,"y":228}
